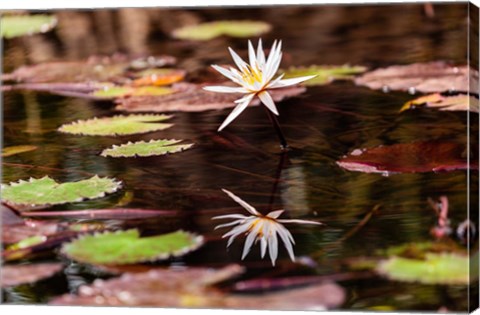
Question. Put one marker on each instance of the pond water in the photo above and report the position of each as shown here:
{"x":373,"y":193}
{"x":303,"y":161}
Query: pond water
{"x":321,"y":125}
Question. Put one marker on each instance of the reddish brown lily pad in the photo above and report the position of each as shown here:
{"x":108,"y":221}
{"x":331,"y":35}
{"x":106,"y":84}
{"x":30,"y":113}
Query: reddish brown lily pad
{"x":409,"y":158}
{"x":190,"y":97}
{"x":441,"y":101}
{"x":13,"y":275}
{"x":423,"y":77}
{"x":192,"y":287}
{"x":95,"y":69}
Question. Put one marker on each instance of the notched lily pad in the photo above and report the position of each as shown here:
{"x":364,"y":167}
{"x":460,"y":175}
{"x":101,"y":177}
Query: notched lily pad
{"x":444,"y":268}
{"x":13,"y":150}
{"x":46,"y":191}
{"x":324,"y":74}
{"x":13,"y":275}
{"x":190,"y":97}
{"x":117,"y":125}
{"x":414,"y":157}
{"x":142,"y":148}
{"x":210,"y":30}
{"x":442,"y":101}
{"x":19,"y":25}
{"x":127,"y":247}
{"x":422,"y":77}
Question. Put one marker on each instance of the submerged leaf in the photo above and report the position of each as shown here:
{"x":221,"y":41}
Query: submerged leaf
{"x":142,"y":148}
{"x":190,"y":97}
{"x":9,"y":151}
{"x":117,"y":125}
{"x":444,"y":268}
{"x":111,"y":92}
{"x":210,"y":30}
{"x":46,"y":191}
{"x":458,"y":102}
{"x":126,"y":247}
{"x":409,"y":158}
{"x":20,"y":25}
{"x":324,"y":74}
{"x":13,"y":275}
{"x":423,"y":77}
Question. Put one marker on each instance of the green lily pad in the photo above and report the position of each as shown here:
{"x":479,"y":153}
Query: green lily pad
{"x":13,"y":150}
{"x":444,"y":268}
{"x":324,"y":74}
{"x":142,"y":148}
{"x":20,"y":25}
{"x":111,"y":92}
{"x":117,"y":125}
{"x":127,"y":247}
{"x":210,"y":30}
{"x":46,"y":191}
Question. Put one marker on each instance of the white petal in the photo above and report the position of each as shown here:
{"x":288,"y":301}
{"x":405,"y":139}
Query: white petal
{"x":263,"y":247}
{"x":283,"y":232}
{"x":260,"y":54}
{"x":238,"y":61}
{"x":227,"y":73}
{"x":230,"y":216}
{"x":268,"y":101}
{"x":236,"y":232}
{"x":288,"y":82}
{"x":238,"y":200}
{"x":273,"y":61}
{"x":300,"y":221}
{"x":275,"y":214}
{"x":273,"y":68}
{"x":236,"y":111}
{"x":228,"y":224}
{"x":273,"y":245}
{"x":250,"y":239}
{"x":225,"y":89}
{"x":251,"y":55}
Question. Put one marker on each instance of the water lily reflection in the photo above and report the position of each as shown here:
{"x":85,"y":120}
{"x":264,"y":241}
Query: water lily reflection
{"x":254,"y":78}
{"x":260,"y":228}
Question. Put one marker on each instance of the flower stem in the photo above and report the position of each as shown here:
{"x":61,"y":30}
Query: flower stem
{"x":278,"y":130}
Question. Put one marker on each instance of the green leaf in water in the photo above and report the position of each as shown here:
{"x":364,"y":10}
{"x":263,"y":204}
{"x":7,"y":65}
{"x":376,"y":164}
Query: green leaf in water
{"x":9,"y":151}
{"x":126,"y":247}
{"x":142,"y":148}
{"x":19,"y":25}
{"x":210,"y":30}
{"x":324,"y":74}
{"x":117,"y":125}
{"x":46,"y":191}
{"x":111,"y":92}
{"x":443,"y":268}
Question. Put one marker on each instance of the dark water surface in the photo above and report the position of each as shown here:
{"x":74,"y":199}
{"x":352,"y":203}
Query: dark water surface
{"x":321,"y":125}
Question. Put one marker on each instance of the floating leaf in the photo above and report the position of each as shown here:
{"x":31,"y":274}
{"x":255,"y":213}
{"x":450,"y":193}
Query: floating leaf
{"x":458,"y":102}
{"x":445,"y":268}
{"x":46,"y":191}
{"x":126,"y":247}
{"x":111,"y":92}
{"x":324,"y":74}
{"x":57,"y":75}
{"x":423,"y":77}
{"x":9,"y":151}
{"x":210,"y":30}
{"x":102,"y":214}
{"x":192,"y":98}
{"x":142,"y":148}
{"x":13,"y":275}
{"x":20,"y":25}
{"x":159,"y":77}
{"x":409,"y":158}
{"x":117,"y":125}
{"x":192,"y":287}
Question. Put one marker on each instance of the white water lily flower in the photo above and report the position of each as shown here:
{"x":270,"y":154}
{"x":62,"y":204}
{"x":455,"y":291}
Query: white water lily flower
{"x":254,"y":78}
{"x":262,"y":228}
